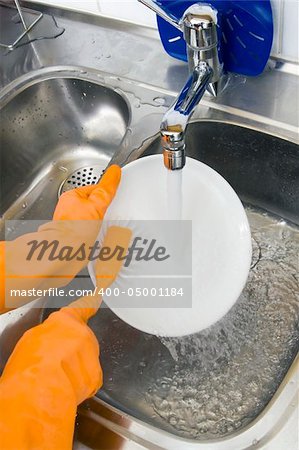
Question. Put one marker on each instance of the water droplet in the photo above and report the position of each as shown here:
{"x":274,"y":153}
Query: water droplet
{"x":24,"y":205}
{"x":136,"y":102}
{"x":173,"y":421}
{"x":159,"y":100}
{"x":63,"y":169}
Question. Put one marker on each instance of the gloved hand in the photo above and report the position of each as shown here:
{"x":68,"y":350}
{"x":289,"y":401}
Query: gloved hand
{"x":54,"y":367}
{"x":77,"y":221}
{"x":89,"y":202}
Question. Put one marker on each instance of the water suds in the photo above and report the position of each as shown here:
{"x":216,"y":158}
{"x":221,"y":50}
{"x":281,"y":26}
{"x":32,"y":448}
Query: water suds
{"x":210,"y":384}
{"x":224,"y":377}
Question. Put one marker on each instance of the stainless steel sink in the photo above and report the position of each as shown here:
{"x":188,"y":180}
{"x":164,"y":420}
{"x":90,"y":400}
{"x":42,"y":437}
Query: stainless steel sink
{"x":51,"y":129}
{"x":171,"y":393}
{"x":212,"y":384}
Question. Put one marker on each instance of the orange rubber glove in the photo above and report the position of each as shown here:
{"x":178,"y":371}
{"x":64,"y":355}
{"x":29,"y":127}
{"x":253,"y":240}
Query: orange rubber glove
{"x":89,"y":202}
{"x":77,"y":220}
{"x":53,"y":368}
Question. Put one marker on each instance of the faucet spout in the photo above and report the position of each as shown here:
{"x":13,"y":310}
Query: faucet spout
{"x":199,"y":25}
{"x":175,"y":120}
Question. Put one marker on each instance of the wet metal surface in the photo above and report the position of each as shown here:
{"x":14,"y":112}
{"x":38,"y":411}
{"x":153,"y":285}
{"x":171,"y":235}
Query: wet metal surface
{"x":44,"y":28}
{"x":53,"y":128}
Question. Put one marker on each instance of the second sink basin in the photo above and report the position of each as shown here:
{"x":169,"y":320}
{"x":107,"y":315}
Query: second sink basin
{"x":51,"y":130}
{"x":212,"y":384}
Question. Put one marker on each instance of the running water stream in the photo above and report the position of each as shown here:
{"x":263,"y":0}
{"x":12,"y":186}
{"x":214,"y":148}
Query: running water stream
{"x":174,"y":194}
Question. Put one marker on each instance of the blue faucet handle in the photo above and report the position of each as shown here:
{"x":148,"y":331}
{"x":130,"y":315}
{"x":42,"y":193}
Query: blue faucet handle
{"x":245,"y":32}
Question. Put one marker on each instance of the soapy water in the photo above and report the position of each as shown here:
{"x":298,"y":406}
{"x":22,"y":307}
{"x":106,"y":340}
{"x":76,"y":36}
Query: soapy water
{"x":213,"y":383}
{"x":224,"y":376}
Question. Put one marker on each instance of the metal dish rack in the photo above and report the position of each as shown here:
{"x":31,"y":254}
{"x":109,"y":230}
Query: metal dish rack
{"x":27,"y":27}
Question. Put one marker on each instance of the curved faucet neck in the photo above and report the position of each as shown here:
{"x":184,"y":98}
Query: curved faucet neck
{"x":174,"y":123}
{"x":199,"y":25}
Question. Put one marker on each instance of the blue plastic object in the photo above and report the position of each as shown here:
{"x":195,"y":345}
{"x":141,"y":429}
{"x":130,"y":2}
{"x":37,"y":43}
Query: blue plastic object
{"x":245,"y":33}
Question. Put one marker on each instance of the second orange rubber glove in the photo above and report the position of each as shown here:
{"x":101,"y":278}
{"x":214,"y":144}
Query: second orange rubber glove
{"x":53,"y":368}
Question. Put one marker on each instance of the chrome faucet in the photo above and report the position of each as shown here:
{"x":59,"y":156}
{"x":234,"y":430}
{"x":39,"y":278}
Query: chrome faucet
{"x":199,"y":26}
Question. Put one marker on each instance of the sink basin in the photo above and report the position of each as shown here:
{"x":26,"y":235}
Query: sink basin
{"x":214,"y":383}
{"x":197,"y":389}
{"x":48,"y":132}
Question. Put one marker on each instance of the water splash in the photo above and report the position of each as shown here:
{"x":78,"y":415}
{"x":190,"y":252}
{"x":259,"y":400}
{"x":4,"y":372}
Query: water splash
{"x":63,"y":169}
{"x":224,"y":376}
{"x":160,"y":101}
{"x":211,"y":384}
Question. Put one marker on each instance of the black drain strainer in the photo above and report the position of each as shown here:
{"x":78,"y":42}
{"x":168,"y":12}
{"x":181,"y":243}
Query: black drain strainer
{"x":82,"y":177}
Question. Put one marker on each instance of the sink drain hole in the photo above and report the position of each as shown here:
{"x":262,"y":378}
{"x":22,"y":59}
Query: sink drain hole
{"x":82,"y":177}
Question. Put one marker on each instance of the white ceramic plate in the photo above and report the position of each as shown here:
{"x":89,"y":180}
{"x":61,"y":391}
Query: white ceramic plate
{"x":221,"y":242}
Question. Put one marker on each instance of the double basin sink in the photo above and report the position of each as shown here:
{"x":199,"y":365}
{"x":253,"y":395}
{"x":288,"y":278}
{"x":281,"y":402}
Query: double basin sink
{"x":217,"y":389}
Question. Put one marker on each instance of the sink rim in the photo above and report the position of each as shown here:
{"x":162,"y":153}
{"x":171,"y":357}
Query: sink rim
{"x":24,"y":82}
